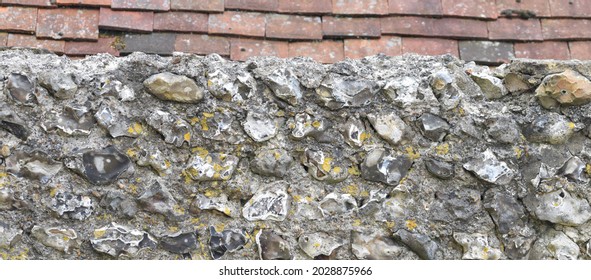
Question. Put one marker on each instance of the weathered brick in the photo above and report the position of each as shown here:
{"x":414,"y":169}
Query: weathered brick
{"x":569,"y":8}
{"x":202,"y":44}
{"x":515,"y":29}
{"x":429,"y":46}
{"x":68,"y":24}
{"x":85,"y":2}
{"x":360,"y":7}
{"x":351,"y":27}
{"x":103,"y":45}
{"x":469,"y":8}
{"x":200,"y":5}
{"x":3,"y":38}
{"x":154,"y":43}
{"x":18,"y":19}
{"x":540,"y":7}
{"x":152,"y":5}
{"x":435,"y":27}
{"x":181,"y":22}
{"x":36,"y":3}
{"x":326,"y":51}
{"x":252,"y":5}
{"x":305,"y":6}
{"x":294,"y":27}
{"x":126,"y":20}
{"x":486,"y":52}
{"x":242,"y":49}
{"x":542,"y":50}
{"x":237,"y":23}
{"x":30,"y":41}
{"x":360,"y":48}
{"x":580,"y":50}
{"x":566,"y":28}
{"x":424,"y":7}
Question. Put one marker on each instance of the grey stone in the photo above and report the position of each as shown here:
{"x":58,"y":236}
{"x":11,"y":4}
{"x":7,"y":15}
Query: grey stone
{"x":550,"y":128}
{"x":272,"y":246}
{"x":381,"y":167}
{"x":433,"y":127}
{"x":440,"y":169}
{"x":59,"y":84}
{"x":554,"y":245}
{"x":488,"y":168}
{"x":171,"y":87}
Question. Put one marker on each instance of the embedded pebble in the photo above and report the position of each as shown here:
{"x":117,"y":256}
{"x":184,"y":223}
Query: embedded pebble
{"x":319,"y":244}
{"x":378,"y":166}
{"x":488,"y":168}
{"x":566,"y":88}
{"x":272,"y":246}
{"x":211,"y":166}
{"x":117,"y":240}
{"x":62,"y":239}
{"x":269,"y":203}
{"x":389,"y":126}
{"x":170,"y":87}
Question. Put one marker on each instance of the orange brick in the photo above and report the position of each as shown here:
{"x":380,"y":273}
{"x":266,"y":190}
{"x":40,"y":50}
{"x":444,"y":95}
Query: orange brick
{"x":68,"y":24}
{"x":469,"y":8}
{"x":126,"y":20}
{"x":85,"y":2}
{"x":237,"y":23}
{"x":580,"y":50}
{"x":542,"y":50}
{"x":252,"y":5}
{"x":515,"y":29}
{"x":18,"y":19}
{"x":326,"y":51}
{"x":351,"y":27}
{"x":152,"y":5}
{"x":242,"y":49}
{"x":422,"y":7}
{"x":202,"y":44}
{"x":30,"y":41}
{"x":305,"y":6}
{"x":103,"y":45}
{"x":360,"y":7}
{"x":181,"y":22}
{"x":293,"y":27}
{"x":198,"y":5}
{"x":360,"y":48}
{"x":429,"y":46}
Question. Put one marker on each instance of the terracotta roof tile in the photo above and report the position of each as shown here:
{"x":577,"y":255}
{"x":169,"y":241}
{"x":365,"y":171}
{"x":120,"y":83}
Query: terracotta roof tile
{"x":424,"y":7}
{"x":238,"y":23}
{"x":429,"y":46}
{"x":515,"y":29}
{"x":30,"y":41}
{"x":359,"y":48}
{"x":138,"y":21}
{"x":540,"y":8}
{"x":202,"y":44}
{"x":294,"y":27}
{"x":326,"y":51}
{"x":351,"y":27}
{"x":242,"y":49}
{"x":103,"y":45}
{"x":106,"y":3}
{"x":153,"y":5}
{"x":305,"y":6}
{"x":78,"y":24}
{"x":181,"y":22}
{"x":541,"y":50}
{"x":251,"y":5}
{"x":360,"y":7}
{"x":470,"y":8}
{"x":18,"y":19}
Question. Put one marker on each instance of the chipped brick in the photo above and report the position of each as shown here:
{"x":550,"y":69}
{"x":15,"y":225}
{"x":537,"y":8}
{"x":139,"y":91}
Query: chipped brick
{"x":36,"y":3}
{"x":68,"y":24}
{"x":326,"y":51}
{"x":18,"y":19}
{"x":469,"y":8}
{"x":515,"y":30}
{"x":360,"y":7}
{"x":423,"y":7}
{"x":181,"y":22}
{"x":199,"y":6}
{"x":85,"y":2}
{"x":126,"y":20}
{"x":360,"y":48}
{"x":30,"y":41}
{"x":252,"y":5}
{"x":305,"y":6}
{"x":569,"y":8}
{"x":237,"y":23}
{"x":435,"y":27}
{"x":540,"y":7}
{"x":152,"y":5}
{"x":202,"y":44}
{"x":351,"y":27}
{"x":154,"y":43}
{"x":542,"y":50}
{"x":429,"y":46}
{"x":486,"y":52}
{"x":294,"y":27}
{"x":566,"y":28}
{"x":242,"y":49}
{"x":103,"y":45}
{"x":580,"y":50}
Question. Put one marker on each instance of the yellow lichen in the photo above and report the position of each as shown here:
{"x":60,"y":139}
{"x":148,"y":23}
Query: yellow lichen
{"x":178,"y":209}
{"x":317,"y":245}
{"x":316,"y":124}
{"x":351,"y":189}
{"x":219,"y":227}
{"x":337,"y":169}
{"x":297,"y":198}
{"x":588,"y":169}
{"x":193,"y":120}
{"x":356,"y":222}
{"x":518,"y":152}
{"x":412,"y":153}
{"x":200,"y":151}
{"x":173,"y":229}
{"x":227,"y":211}
{"x":208,"y":115}
{"x":277,"y":155}
{"x":131,"y":152}
{"x":442,"y":149}
{"x":411,"y":224}
{"x":326,"y":164}
{"x":364,"y":136}
{"x":390,"y":224}
{"x":98,"y":233}
{"x":135,"y":129}
{"x":571,"y":125}
{"x":53,"y":191}
{"x":353,"y":170}
{"x":187,"y":137}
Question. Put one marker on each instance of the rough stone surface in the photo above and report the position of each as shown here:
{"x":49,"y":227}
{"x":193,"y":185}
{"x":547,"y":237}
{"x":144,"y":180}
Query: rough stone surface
{"x":408,"y":157}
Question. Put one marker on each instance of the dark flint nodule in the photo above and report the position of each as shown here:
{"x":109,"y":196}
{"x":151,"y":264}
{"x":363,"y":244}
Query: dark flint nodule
{"x":104,"y":166}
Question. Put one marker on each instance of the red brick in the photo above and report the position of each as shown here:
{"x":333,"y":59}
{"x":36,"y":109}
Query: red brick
{"x":152,"y":5}
{"x":237,"y":23}
{"x":360,"y":7}
{"x":351,"y":27}
{"x":242,"y":49}
{"x":429,"y":46}
{"x":252,"y":5}
{"x":3,"y":38}
{"x":68,"y":24}
{"x":580,"y":50}
{"x":542,"y":50}
{"x":569,"y":8}
{"x":469,"y":8}
{"x":360,"y":48}
{"x":326,"y":51}
{"x":294,"y":27}
{"x":198,"y":5}
{"x":181,"y":22}
{"x":540,"y":7}
{"x":566,"y":28}
{"x":103,"y":45}
{"x":30,"y":41}
{"x":126,"y":20}
{"x":36,"y":3}
{"x":18,"y":19}
{"x":85,"y":2}
{"x":202,"y":44}
{"x":305,"y":6}
{"x":423,"y":7}
{"x":515,"y":29}
{"x":435,"y":27}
